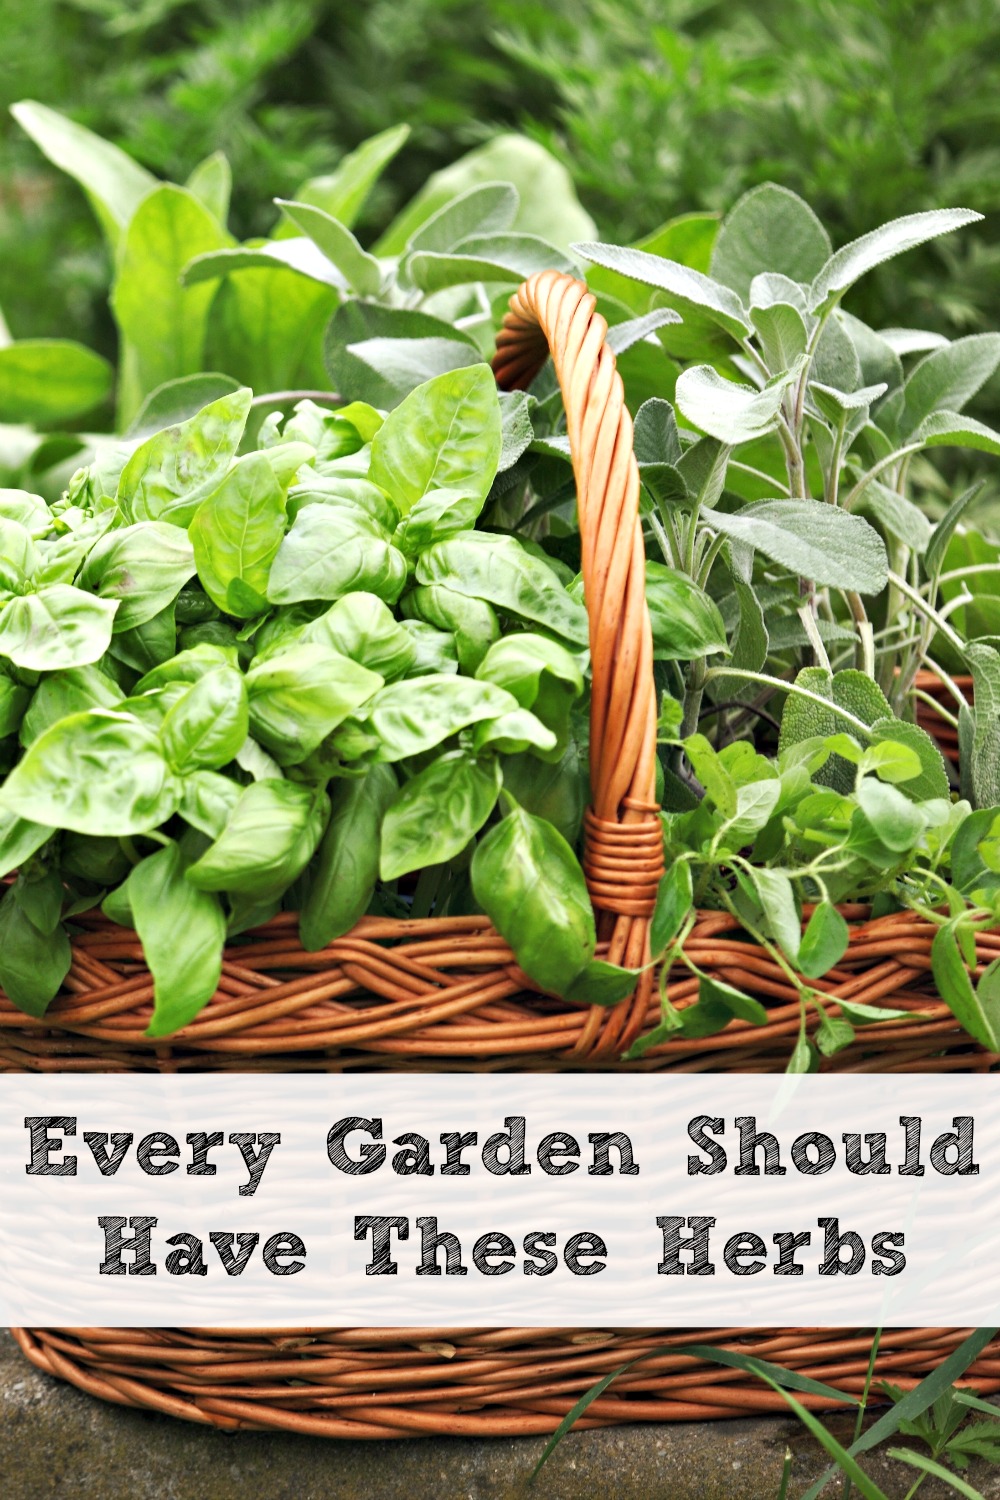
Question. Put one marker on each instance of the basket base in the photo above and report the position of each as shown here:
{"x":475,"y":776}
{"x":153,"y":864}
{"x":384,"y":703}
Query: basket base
{"x":392,"y":1383}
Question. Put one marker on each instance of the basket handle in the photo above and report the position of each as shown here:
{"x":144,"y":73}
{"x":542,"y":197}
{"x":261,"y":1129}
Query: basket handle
{"x":623,"y":841}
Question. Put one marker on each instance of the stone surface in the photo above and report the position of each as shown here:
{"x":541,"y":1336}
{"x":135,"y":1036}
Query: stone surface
{"x":58,"y":1444}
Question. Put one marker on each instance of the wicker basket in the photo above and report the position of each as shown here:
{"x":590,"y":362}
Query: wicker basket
{"x":446,"y":994}
{"x":387,"y":1383}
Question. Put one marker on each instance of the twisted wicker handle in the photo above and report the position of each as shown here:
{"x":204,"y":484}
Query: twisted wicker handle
{"x":623,"y":842}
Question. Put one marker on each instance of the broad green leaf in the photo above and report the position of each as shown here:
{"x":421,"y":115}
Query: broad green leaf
{"x":897,"y":822}
{"x":686,"y":621}
{"x":435,"y":516}
{"x":270,"y":838}
{"x":527,"y":880}
{"x":488,"y":208}
{"x":950,"y":429}
{"x":143,"y":567}
{"x":332,"y":551}
{"x":979,"y":1014}
{"x":728,"y":411}
{"x":851,"y":262}
{"x":832,"y":1035}
{"x":410,"y":717}
{"x":898,"y":515}
{"x":654,"y":434}
{"x":45,"y":381}
{"x":769,"y":230}
{"x":236,"y":533}
{"x":71,"y":691}
{"x":162,"y":323}
{"x":444,"y":435}
{"x":19,"y":839}
{"x":777,"y":898}
{"x":542,"y":675}
{"x":548,"y":205}
{"x":687,"y":288}
{"x":673,"y":904}
{"x":267,"y":327}
{"x":182,"y":931}
{"x":211,"y":182}
{"x":558,"y":793}
{"x":501,"y":571}
{"x":841,"y":406}
{"x":601,"y":983}
{"x":28,"y":510}
{"x":492,"y":258}
{"x":97,"y":772}
{"x":113,"y":182}
{"x":177,"y":401}
{"x":870,"y":1015}
{"x":343,"y":877}
{"x":891,"y":760}
{"x":344,"y":191}
{"x":299,"y":696}
{"x":169,"y":475}
{"x":59,"y":626}
{"x":824,"y":941}
{"x":207,"y":726}
{"x":33,"y":963}
{"x":514,"y":733}
{"x":711,"y":772}
{"x":207,"y":801}
{"x":932,"y":779}
{"x":755,"y":802}
{"x":362,"y":627}
{"x":815,"y":540}
{"x":380,"y":354}
{"x":472,"y":623}
{"x":437,"y":813}
{"x":298,"y":256}
{"x":781,"y":334}
{"x":948,"y":378}
{"x":361,"y":271}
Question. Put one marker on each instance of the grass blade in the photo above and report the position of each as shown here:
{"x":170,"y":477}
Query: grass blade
{"x":918,"y":1461}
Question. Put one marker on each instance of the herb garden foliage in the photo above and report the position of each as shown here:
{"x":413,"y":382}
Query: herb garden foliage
{"x":331,"y":653}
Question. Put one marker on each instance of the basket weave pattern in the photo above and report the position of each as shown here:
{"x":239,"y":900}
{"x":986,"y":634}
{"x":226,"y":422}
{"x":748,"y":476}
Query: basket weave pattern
{"x":386,"y":1383}
{"x":447,"y":993}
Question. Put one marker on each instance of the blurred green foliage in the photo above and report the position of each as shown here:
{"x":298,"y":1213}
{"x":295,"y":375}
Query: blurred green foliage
{"x":657,"y":107}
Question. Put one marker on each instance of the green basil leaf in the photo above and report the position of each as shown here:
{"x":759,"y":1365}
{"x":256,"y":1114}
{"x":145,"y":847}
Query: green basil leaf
{"x":33,"y":964}
{"x":444,"y":435}
{"x":60,"y":694}
{"x":514,"y":733}
{"x":299,"y":696}
{"x":472,"y":622}
{"x":207,"y":801}
{"x":183,"y":932}
{"x":330,"y":552}
{"x":410,"y":717}
{"x":498,"y":569}
{"x":169,"y":475}
{"x":143,"y":567}
{"x":824,"y":941}
{"x":96,"y":772}
{"x":270,"y":838}
{"x":436,"y":515}
{"x":208,"y":725}
{"x":59,"y":626}
{"x":686,"y":621}
{"x":342,"y":879}
{"x":601,"y":983}
{"x":528,"y":881}
{"x":236,"y":534}
{"x":19,"y":839}
{"x":437,"y":813}
{"x":362,"y":627}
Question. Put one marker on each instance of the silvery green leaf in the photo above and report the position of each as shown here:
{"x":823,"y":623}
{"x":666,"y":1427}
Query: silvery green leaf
{"x":622,"y":336}
{"x":725,"y":410}
{"x":770,"y":230}
{"x":912,"y":340}
{"x":838,"y":406}
{"x":898,"y":515}
{"x":812,"y":539}
{"x":299,"y":255}
{"x":488,"y":208}
{"x":948,"y":378}
{"x":685,"y":286}
{"x":950,"y":429}
{"x":362,"y":272}
{"x":781,"y":333}
{"x":504,"y":257}
{"x":851,"y":262}
{"x":769,"y":287}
